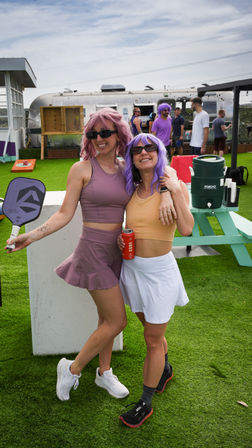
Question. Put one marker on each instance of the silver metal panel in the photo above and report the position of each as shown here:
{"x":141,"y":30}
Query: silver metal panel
{"x":124,"y":102}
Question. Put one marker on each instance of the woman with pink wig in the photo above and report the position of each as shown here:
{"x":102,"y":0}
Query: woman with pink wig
{"x":98,"y":183}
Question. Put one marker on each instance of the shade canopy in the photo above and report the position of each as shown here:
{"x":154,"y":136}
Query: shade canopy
{"x":243,"y":85}
{"x":236,"y":87}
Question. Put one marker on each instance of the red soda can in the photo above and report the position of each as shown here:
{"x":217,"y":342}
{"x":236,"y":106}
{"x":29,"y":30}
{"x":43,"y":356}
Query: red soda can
{"x":129,"y":249}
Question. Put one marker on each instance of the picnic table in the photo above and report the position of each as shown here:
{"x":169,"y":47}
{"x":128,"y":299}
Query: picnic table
{"x":237,"y":231}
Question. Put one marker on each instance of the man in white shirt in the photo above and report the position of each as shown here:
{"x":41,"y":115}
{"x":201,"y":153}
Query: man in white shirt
{"x":200,"y":129}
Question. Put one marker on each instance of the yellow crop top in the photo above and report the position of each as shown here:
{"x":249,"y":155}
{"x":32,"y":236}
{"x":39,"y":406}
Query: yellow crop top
{"x":142,"y":215}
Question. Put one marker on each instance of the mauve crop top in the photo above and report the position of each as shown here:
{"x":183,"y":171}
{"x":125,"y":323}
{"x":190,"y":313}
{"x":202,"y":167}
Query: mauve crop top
{"x":104,"y":198}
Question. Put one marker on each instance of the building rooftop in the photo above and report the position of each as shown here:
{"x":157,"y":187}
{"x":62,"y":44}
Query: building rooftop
{"x":20,"y":69}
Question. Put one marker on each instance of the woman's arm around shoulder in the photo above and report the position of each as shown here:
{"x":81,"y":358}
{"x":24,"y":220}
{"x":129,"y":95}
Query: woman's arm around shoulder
{"x":171,"y":172}
{"x":167,"y":212}
{"x":180,"y":196}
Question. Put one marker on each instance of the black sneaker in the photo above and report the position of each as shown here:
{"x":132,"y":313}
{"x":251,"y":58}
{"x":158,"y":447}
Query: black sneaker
{"x":165,"y":378}
{"x":136,"y":416}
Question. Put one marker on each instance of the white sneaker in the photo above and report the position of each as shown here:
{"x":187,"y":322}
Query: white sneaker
{"x":111,"y":383}
{"x":65,"y":379}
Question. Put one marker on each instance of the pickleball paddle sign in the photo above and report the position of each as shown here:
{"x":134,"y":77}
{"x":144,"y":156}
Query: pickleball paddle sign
{"x":23,"y":203}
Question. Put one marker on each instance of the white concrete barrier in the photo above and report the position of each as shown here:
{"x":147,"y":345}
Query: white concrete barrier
{"x":62,"y":316}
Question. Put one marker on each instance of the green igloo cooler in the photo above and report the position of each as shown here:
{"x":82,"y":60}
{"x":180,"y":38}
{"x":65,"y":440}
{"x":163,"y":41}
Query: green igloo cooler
{"x":207,"y":181}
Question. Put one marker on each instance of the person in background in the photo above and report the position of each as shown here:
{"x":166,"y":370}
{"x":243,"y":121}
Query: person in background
{"x":151,"y":283}
{"x":162,"y":127}
{"x":152,"y":117}
{"x":178,"y":125}
{"x":219,"y":128}
{"x":98,"y":183}
{"x":135,"y":122}
{"x":200,"y":128}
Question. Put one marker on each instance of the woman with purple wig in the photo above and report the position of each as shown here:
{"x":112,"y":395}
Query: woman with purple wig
{"x":151,"y":283}
{"x":98,"y":183}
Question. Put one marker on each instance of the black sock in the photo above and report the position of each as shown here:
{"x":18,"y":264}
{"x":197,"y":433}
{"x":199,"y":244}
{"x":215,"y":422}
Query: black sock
{"x":166,"y":367}
{"x":147,"y":394}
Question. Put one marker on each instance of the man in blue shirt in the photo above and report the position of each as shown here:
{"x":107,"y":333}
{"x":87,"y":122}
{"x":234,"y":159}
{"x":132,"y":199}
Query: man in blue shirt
{"x":219,"y":128}
{"x":178,"y":125}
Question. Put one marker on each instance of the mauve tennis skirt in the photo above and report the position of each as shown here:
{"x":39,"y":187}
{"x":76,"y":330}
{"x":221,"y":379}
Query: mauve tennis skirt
{"x":96,"y":261}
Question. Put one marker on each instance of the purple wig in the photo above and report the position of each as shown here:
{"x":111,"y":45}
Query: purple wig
{"x":132,"y":174}
{"x":162,"y":107}
{"x":88,"y":150}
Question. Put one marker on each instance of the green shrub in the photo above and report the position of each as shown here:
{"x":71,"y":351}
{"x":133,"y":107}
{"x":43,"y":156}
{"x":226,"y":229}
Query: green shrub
{"x":31,"y":153}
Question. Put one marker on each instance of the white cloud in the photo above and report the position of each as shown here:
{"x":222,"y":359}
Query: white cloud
{"x":82,"y":44}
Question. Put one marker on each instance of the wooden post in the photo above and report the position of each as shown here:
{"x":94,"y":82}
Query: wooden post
{"x":42,"y":147}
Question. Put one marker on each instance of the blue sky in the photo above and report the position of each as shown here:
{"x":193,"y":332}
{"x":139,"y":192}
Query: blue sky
{"x":84,"y":44}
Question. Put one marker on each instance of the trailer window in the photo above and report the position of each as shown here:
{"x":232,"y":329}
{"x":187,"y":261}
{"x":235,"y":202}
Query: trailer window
{"x":3,"y":108}
{"x":168,"y":100}
{"x":210,"y":107}
{"x":146,"y":109}
{"x":101,"y":106}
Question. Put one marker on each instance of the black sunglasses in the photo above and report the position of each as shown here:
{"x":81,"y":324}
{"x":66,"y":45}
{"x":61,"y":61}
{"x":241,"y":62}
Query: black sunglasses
{"x":147,"y":148}
{"x":104,"y":133}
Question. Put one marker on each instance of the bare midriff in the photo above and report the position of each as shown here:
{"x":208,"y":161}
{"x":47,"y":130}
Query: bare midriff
{"x":103,"y":225}
{"x":152,"y":248}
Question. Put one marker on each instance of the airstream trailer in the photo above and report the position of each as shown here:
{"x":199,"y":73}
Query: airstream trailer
{"x":117,"y":97}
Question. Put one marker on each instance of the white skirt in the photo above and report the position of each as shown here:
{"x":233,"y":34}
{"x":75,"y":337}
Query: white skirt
{"x":153,"y":286}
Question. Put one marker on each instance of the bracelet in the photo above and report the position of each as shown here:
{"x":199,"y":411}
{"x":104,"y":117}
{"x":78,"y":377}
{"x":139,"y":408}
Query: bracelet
{"x":164,"y":189}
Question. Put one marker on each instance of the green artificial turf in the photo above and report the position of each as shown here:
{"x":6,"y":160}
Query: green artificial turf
{"x":209,"y":348}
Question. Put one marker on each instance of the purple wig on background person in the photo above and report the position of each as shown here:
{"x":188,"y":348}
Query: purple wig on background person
{"x":88,"y":150}
{"x":132,"y":174}
{"x":162,"y":107}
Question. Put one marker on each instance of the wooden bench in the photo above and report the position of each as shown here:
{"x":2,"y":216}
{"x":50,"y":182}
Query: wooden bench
{"x":244,"y":225}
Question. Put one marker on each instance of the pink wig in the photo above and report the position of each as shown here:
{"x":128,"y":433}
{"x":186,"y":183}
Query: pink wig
{"x":124,"y":135}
